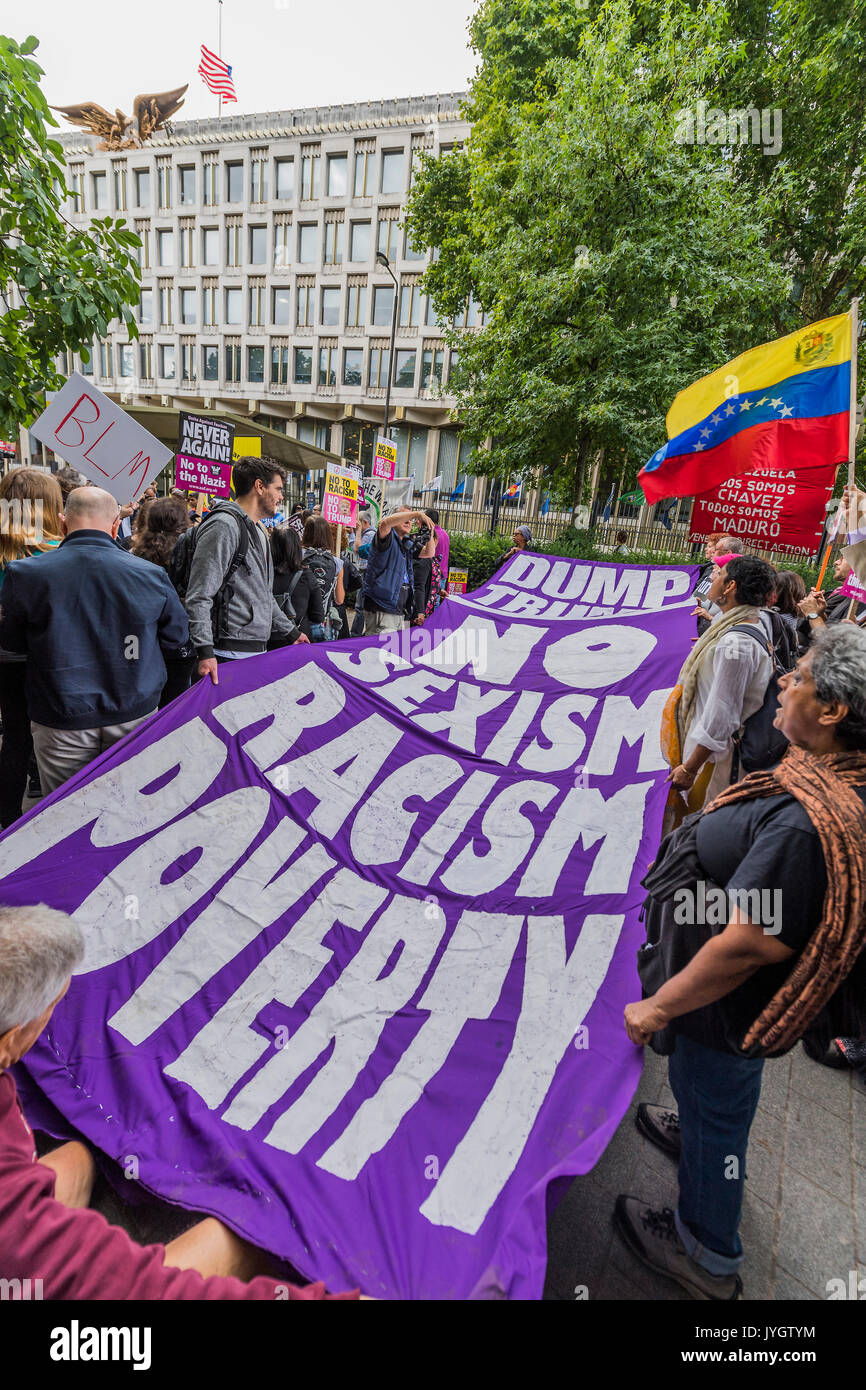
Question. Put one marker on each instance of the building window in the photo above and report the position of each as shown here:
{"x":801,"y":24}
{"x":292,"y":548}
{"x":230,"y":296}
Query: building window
{"x":404,"y":365}
{"x":258,"y":245}
{"x":363,"y":183}
{"x":330,"y":307}
{"x":142,"y":188}
{"x":163,"y":184}
{"x":383,"y":305}
{"x":233,"y":245}
{"x":187,"y":362}
{"x":165,"y":304}
{"x":166,"y":361}
{"x":432,"y":367}
{"x":285,"y":173}
{"x":210,"y":246}
{"x":310,"y":176}
{"x":282,"y":305}
{"x":333,"y":243}
{"x":380,"y":358}
{"x":187,"y":306}
{"x":210,"y":362}
{"x":234,"y":307}
{"x":99,"y":185}
{"x":356,"y":306}
{"x":208,"y":306}
{"x":279,"y":364}
{"x":360,"y":241}
{"x":145,"y":359}
{"x":308,"y":243}
{"x":127,"y":368}
{"x":234,"y":190}
{"x":258,"y":184}
{"x":210,"y":192}
{"x":328,"y":366}
{"x":120,"y":190}
{"x":304,"y":366}
{"x":255,"y":364}
{"x":338,"y":175}
{"x":470,"y":316}
{"x":165,"y":247}
{"x":187,"y":185}
{"x":145,"y":307}
{"x":282,"y":253}
{"x":233,"y":361}
{"x":76,"y":188}
{"x":86,"y":366}
{"x":306,"y":305}
{"x":431,"y":319}
{"x":409,"y":251}
{"x":452,"y":365}
{"x":142,"y":255}
{"x":410,"y":306}
{"x":105,"y":359}
{"x":388,"y":238}
{"x":353,"y":365}
{"x":392,"y":171}
{"x":187,"y":246}
{"x":257,"y":305}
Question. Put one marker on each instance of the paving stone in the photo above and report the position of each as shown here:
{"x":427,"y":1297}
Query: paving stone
{"x":787,"y":1287}
{"x":579,"y":1234}
{"x":823,"y":1084}
{"x":758,"y":1234}
{"x":816,"y":1233}
{"x":819,"y":1145}
{"x":765,"y":1156}
{"x":774,"y":1085}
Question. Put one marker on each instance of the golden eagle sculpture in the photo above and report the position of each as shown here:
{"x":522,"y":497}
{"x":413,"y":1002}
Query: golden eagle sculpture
{"x":151,"y":110}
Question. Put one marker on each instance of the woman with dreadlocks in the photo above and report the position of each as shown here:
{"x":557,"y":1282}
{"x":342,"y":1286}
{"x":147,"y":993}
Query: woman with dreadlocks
{"x":756,"y":927}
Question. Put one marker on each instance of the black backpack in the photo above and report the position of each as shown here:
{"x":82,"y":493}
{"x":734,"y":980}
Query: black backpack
{"x":323,"y":567}
{"x":284,"y":600}
{"x":180,"y":567}
{"x":784,"y":643}
{"x":759,"y":744}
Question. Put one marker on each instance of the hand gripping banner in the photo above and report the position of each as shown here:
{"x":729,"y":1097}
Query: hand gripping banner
{"x":361,"y":923}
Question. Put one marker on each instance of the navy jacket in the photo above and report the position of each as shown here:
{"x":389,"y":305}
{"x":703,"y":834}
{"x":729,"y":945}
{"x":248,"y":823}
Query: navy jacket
{"x":92,"y":621}
{"x":389,"y":567}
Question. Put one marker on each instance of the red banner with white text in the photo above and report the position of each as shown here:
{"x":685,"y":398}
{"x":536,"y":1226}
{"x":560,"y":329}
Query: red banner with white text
{"x":770,"y":508}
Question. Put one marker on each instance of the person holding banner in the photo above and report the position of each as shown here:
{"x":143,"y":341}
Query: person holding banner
{"x":818,"y":609}
{"x":779,"y":956}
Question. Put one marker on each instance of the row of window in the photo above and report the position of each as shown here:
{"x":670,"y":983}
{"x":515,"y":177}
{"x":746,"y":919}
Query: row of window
{"x":201,"y":246}
{"x":214,"y":183}
{"x":275,"y":307}
{"x":350,"y":366}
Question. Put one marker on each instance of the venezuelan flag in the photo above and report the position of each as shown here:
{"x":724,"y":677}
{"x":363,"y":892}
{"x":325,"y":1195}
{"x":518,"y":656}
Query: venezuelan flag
{"x":782,"y":403}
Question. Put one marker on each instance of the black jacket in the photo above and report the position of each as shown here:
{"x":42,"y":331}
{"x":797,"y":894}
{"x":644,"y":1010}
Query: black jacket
{"x":92,"y":621}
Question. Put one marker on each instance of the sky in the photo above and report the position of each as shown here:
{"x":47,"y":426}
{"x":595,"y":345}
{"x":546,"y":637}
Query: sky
{"x":284,"y":54}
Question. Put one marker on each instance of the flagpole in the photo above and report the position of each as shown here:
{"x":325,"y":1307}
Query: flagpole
{"x":852,"y":409}
{"x":220,"y":54}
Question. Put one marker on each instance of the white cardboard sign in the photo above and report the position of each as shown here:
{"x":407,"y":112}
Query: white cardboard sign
{"x":92,"y":434}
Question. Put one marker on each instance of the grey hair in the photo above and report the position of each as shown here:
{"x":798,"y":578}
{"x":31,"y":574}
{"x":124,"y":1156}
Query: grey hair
{"x":39,"y":949}
{"x":838,"y":668}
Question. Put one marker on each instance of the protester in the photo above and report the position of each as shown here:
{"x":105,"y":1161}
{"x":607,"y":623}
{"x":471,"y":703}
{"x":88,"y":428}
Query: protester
{"x":295,"y":588}
{"x":158,"y":528}
{"x":389,"y":587}
{"x":723,"y":681}
{"x":326,"y":569}
{"x":32,"y":501}
{"x":790,"y":591}
{"x":296,"y":520}
{"x":229,"y":594}
{"x":44,"y":1222}
{"x":621,"y":544}
{"x":819,"y":609}
{"x":359,"y":547}
{"x":721,"y":544}
{"x":67,"y":479}
{"x":522,"y":538}
{"x":91,"y":621}
{"x":429,"y":583}
{"x":720,"y":998}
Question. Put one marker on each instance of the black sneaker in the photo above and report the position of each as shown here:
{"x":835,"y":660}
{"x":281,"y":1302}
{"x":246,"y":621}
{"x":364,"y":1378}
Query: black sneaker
{"x":653,"y":1237}
{"x":34,"y":787}
{"x":661,"y":1127}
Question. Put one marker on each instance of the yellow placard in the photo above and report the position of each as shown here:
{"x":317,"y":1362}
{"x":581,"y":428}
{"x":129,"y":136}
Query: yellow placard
{"x":246,"y":445}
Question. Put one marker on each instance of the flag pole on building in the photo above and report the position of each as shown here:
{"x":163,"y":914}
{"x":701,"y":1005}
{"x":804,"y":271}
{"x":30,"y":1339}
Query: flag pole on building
{"x":220,"y":52}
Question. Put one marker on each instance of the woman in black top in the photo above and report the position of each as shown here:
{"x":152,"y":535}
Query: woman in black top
{"x":294,"y":586}
{"x":157,"y":529}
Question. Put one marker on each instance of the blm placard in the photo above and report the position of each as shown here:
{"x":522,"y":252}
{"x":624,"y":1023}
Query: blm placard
{"x":204,"y":454}
{"x":99,"y":439}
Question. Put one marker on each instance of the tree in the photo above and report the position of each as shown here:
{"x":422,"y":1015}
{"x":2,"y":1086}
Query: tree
{"x":70,"y":281}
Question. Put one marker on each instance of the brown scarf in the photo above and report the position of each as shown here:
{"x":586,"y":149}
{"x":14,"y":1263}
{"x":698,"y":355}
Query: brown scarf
{"x":824,"y":787}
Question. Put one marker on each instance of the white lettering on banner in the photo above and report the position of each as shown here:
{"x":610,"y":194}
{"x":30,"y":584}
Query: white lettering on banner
{"x":234,"y":819}
{"x":503,"y":745}
{"x":382,"y":826}
{"x":565,"y":740}
{"x":352,"y":1014}
{"x":461,"y":721}
{"x":120,"y":801}
{"x":406,"y":693}
{"x":603,"y":586}
{"x":478,"y":640}
{"x":585,"y":815}
{"x":360,"y":753}
{"x":557,"y":996}
{"x":255,"y":896}
{"x":509,"y":834}
{"x":436,"y":842}
{"x":304,"y":699}
{"x":622,"y":722}
{"x":565,"y":581}
{"x":467,"y":984}
{"x":225,"y":1049}
{"x":369,"y":664}
{"x":598,"y":656}
{"x":528,"y":571}
{"x":664,"y":584}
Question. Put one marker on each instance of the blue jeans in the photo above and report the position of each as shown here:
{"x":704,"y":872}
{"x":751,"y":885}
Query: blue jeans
{"x":717,"y":1096}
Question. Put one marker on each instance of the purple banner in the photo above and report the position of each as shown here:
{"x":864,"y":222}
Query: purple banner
{"x":361,"y":926}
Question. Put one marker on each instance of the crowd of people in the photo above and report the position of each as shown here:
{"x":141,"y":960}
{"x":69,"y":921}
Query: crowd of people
{"x":765,"y":733}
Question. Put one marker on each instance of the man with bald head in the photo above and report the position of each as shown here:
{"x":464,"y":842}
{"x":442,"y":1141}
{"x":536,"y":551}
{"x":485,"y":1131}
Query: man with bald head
{"x":93,"y":622}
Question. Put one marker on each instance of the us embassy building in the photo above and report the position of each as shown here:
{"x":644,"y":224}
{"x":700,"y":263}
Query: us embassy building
{"x":261,"y":295}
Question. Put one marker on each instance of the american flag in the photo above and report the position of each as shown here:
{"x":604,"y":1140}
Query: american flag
{"x":217,"y":75}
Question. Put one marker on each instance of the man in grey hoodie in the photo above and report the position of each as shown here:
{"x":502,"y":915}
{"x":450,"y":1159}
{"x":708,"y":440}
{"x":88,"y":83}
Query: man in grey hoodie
{"x":248,"y":615}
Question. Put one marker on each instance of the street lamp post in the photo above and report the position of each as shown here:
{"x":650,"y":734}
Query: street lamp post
{"x":382,"y":260}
